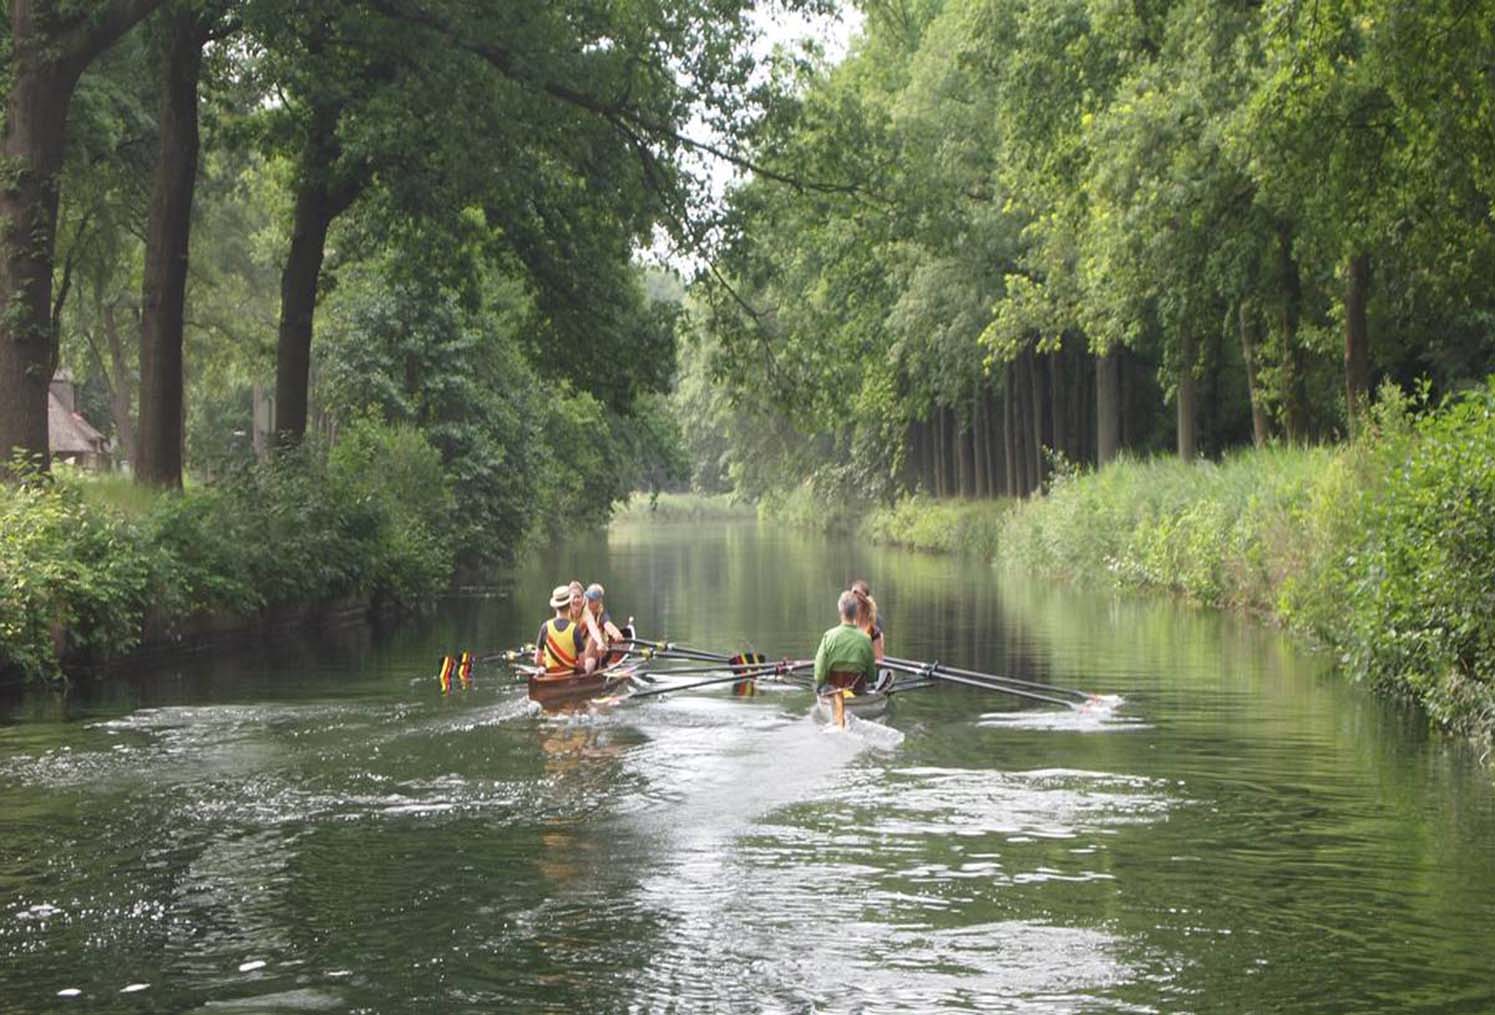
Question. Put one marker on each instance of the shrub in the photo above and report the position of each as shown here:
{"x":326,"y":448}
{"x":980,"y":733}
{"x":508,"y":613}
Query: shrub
{"x":1420,"y":583}
{"x":375,"y":516}
{"x":968,"y":527}
{"x":68,"y":568}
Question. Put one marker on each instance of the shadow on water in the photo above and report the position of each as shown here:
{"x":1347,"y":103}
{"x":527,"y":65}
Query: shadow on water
{"x":314,"y":826}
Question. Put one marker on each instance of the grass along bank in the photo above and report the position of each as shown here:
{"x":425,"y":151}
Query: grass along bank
{"x":965,"y":527}
{"x":918,"y":522}
{"x":1383,"y":550}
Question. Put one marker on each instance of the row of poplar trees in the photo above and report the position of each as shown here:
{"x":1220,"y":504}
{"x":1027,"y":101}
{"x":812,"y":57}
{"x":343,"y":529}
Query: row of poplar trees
{"x":1090,"y":225}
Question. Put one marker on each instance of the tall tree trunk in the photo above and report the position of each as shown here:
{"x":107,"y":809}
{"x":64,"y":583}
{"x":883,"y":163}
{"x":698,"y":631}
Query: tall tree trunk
{"x":1035,"y":388}
{"x":1294,"y":411}
{"x":36,"y":112}
{"x":164,"y":290}
{"x":993,"y":476}
{"x":979,"y":445}
{"x":968,"y":458}
{"x":1021,"y":422}
{"x":1057,"y":404}
{"x":927,"y":456}
{"x":1187,"y":400}
{"x":1259,"y":430}
{"x":322,"y":194}
{"x":47,"y":56}
{"x":1356,"y":340}
{"x":1108,"y":406}
{"x":939,"y":451}
{"x":1009,"y":431}
{"x":121,"y":391}
{"x":958,"y":445}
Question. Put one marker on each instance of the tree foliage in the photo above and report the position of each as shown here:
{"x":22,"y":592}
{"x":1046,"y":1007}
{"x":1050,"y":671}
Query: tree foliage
{"x":1194,"y":223}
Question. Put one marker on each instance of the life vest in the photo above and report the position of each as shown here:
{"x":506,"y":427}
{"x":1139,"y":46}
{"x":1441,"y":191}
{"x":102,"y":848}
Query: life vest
{"x":559,"y":646}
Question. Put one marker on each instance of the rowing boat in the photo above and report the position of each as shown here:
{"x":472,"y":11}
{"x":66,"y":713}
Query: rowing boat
{"x":833,"y":706}
{"x":555,"y":688}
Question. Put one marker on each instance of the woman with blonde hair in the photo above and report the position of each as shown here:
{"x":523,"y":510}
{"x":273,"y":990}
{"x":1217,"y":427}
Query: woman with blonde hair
{"x":867,"y":615}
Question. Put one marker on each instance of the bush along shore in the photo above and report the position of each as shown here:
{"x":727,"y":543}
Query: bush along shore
{"x":89,"y":566}
{"x":1382,"y":550}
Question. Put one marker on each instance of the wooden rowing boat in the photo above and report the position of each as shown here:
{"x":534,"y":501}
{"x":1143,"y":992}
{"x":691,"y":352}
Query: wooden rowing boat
{"x":556,"y":688}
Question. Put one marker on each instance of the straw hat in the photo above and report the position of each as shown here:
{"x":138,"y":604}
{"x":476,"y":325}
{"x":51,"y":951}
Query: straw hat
{"x":560,"y":596}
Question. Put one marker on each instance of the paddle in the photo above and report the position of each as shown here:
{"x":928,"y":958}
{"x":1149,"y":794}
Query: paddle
{"x":508,"y":655}
{"x":996,"y":678}
{"x":666,"y":649}
{"x":785,"y":666}
{"x":933,"y":670}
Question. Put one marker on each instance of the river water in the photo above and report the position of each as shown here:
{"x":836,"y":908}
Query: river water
{"x":313,"y":826}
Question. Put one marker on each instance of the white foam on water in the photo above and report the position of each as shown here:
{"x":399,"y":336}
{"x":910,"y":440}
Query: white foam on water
{"x":1094,"y":716}
{"x":69,"y":992}
{"x":245,"y":967}
{"x":875,"y":734}
{"x":134,"y":988}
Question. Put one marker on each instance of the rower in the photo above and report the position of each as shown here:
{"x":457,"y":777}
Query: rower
{"x":867,"y":618}
{"x":844,"y":659}
{"x":611,"y":635}
{"x":870,"y":622}
{"x":560,"y":647}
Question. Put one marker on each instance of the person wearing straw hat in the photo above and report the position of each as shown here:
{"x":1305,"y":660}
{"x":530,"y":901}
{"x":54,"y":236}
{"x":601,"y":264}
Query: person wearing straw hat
{"x":561,"y":645}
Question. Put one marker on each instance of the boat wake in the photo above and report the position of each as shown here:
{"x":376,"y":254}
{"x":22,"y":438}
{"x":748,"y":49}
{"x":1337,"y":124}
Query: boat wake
{"x":873,"y":734}
{"x":1095,"y":716}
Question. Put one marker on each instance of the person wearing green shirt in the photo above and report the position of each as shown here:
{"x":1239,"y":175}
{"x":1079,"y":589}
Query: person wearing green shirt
{"x":845,"y":658}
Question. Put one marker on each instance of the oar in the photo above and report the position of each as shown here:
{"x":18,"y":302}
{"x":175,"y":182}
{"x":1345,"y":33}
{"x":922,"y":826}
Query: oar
{"x":666,"y":649}
{"x":682,"y":671}
{"x":933,"y":670}
{"x":782,"y":667}
{"x":508,"y":655}
{"x":996,"y":678}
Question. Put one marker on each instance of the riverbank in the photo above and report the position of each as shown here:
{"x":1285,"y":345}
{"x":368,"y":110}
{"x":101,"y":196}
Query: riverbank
{"x":96,"y":569}
{"x":682,"y":507}
{"x":1381,"y":550}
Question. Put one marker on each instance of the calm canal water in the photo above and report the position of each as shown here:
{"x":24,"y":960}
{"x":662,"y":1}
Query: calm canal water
{"x":314,"y":827}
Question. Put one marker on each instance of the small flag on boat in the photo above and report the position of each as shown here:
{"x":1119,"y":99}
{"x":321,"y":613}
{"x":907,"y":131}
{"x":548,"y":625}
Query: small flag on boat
{"x":464,"y":670}
{"x":447,"y":665}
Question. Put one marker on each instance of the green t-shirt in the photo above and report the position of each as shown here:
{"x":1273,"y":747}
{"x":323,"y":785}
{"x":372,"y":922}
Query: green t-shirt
{"x":845,"y":649}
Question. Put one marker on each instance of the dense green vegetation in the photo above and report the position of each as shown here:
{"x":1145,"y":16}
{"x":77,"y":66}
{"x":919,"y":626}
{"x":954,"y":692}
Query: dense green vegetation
{"x":999,"y":245}
{"x":1072,"y":228}
{"x":1383,"y":550}
{"x":255,"y":231}
{"x":89,"y":566}
{"x":676,"y":506}
{"x":1069,"y":231}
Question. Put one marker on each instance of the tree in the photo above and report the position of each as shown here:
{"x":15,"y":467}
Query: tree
{"x":185,"y":30}
{"x":51,"y":44}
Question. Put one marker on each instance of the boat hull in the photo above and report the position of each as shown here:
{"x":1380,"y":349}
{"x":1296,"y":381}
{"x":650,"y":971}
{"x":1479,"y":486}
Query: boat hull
{"x":558,"y":688}
{"x":868,"y":705}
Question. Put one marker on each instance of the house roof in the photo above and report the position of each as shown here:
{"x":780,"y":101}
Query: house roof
{"x":69,"y":433}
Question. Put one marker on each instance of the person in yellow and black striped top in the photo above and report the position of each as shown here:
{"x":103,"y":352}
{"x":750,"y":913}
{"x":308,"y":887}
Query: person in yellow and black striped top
{"x":561,"y":645}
